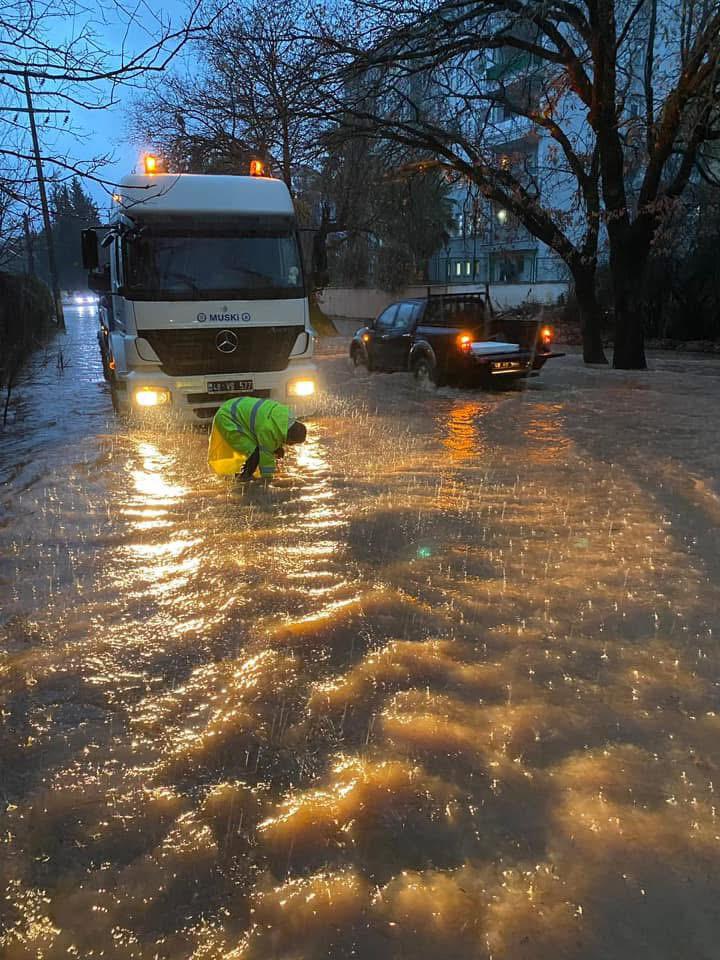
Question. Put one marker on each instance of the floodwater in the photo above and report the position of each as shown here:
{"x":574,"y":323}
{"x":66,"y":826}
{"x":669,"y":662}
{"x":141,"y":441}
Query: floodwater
{"x":448,"y":690}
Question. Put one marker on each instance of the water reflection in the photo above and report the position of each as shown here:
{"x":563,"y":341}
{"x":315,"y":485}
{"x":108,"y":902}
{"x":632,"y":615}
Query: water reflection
{"x":376,"y":710}
{"x":464,"y":440}
{"x":151,"y":481}
{"x":545,"y":431}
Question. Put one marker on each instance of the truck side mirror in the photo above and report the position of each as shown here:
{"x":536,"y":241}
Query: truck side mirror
{"x":99,"y":280}
{"x":89,"y":245}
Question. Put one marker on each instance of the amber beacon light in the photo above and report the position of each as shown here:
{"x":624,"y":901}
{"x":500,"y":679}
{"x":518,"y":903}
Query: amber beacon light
{"x":257,"y":168}
{"x":151,"y":163}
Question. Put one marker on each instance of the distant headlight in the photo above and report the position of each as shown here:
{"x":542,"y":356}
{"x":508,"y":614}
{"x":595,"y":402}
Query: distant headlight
{"x":151,"y":396}
{"x":301,"y":388}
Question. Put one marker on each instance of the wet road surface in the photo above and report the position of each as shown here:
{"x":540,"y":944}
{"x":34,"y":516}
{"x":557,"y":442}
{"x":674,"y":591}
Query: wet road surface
{"x":449,"y":689}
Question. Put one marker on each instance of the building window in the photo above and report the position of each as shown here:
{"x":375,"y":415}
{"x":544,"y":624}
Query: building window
{"x":458,"y":269}
{"x":513,"y":267}
{"x":468,"y":267}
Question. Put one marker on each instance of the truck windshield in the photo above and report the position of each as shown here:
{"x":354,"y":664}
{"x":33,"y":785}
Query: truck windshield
{"x":247,"y":265}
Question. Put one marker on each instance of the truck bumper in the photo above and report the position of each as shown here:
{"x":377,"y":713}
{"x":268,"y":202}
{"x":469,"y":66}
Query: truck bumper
{"x":153,"y":395}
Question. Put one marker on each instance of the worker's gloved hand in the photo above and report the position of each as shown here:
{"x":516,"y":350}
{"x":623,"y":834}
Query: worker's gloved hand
{"x":280,"y":453}
{"x":251,"y":465}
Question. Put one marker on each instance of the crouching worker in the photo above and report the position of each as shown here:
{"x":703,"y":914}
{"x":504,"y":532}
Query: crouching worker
{"x":248,"y":434}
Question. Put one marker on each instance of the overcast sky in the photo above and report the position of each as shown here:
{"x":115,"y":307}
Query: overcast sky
{"x":95,"y":133}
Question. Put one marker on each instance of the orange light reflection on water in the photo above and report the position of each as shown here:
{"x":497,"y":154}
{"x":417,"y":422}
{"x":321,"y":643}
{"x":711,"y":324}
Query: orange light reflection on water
{"x":464,"y":440}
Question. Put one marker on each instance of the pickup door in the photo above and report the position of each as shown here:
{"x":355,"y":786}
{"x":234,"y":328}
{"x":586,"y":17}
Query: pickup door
{"x":393,"y":336}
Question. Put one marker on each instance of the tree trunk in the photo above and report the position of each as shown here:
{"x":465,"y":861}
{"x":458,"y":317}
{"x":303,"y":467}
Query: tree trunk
{"x":628,"y":266}
{"x":590,"y":316}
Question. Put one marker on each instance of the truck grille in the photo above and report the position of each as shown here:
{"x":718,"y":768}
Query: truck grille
{"x":195,"y":352}
{"x":217,"y":400}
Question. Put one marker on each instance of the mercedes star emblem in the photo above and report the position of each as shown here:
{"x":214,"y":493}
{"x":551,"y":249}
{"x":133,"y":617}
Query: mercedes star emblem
{"x":226,"y":341}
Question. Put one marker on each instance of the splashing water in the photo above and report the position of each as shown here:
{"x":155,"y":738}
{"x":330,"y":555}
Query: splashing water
{"x":449,"y":689}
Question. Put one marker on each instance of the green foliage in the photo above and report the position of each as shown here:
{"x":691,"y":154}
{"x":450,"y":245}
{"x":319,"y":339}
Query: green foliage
{"x":25,"y":312}
{"x":681,"y":295}
{"x":72,"y":210}
{"x":415,"y":216}
{"x":391,"y":217}
{"x":678,"y":295}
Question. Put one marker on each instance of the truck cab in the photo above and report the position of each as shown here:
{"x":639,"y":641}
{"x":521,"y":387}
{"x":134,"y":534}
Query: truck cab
{"x":202,"y":295}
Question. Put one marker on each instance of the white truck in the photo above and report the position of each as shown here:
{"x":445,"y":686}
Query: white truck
{"x":202,"y":295}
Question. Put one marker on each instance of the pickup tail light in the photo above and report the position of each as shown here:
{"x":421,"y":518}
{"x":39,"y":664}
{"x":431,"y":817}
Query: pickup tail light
{"x":546,"y":337}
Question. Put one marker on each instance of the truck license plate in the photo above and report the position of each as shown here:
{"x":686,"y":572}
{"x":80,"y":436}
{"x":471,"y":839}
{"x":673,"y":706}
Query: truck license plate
{"x":505,"y":366}
{"x":229,"y":386}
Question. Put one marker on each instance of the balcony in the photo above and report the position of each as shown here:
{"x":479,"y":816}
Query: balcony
{"x":511,"y":63}
{"x":510,"y":130}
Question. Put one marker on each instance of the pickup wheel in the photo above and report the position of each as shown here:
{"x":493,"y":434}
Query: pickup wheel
{"x":426,"y":373}
{"x":356,"y":357}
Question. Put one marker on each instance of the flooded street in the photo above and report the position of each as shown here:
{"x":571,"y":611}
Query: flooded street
{"x":449,"y":689}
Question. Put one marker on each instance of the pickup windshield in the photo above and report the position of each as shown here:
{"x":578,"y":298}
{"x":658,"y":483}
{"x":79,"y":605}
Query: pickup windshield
{"x":242,"y":265}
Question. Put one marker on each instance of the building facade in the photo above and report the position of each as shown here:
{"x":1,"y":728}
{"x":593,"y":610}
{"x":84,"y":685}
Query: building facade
{"x":489,"y":245}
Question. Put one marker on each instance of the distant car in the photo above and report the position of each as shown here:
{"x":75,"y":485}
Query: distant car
{"x":83,"y":298}
{"x":453,"y":337}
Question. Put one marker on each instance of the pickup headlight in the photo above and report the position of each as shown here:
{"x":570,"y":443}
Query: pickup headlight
{"x":301,"y":388}
{"x":152,"y":396}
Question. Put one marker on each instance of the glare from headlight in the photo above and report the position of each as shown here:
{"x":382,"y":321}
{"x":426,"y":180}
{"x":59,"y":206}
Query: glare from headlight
{"x":301,"y":388}
{"x":147,"y":397}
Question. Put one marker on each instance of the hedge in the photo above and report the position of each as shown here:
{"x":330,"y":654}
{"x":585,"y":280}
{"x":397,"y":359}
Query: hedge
{"x":26,"y":311}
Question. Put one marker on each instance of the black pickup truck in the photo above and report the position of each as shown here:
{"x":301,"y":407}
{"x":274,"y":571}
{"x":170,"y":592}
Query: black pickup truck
{"x":453,"y":337}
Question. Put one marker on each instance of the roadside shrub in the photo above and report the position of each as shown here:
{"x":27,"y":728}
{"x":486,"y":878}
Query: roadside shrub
{"x":26,"y":310}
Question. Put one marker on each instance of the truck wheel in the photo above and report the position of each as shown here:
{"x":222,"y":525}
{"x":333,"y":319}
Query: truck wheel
{"x":103,"y":359}
{"x":356,"y":357}
{"x":107,"y":372}
{"x":114,"y":397}
{"x":426,"y":373}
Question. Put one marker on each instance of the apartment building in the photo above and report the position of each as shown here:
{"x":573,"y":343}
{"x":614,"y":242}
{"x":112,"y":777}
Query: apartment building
{"x":489,"y":245}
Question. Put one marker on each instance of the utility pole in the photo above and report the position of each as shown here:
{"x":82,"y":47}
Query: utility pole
{"x":29,"y":245}
{"x":45,"y":210}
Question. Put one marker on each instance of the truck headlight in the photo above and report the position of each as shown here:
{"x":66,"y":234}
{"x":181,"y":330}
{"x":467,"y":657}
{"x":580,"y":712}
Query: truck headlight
{"x":152,"y":396}
{"x":301,"y":388}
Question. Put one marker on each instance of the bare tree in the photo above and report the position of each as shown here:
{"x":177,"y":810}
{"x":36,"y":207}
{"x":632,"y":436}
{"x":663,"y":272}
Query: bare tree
{"x":647,"y":165}
{"x":625,"y":103}
{"x":12,"y":208}
{"x":257,"y":96}
{"x":450,"y":86}
{"x":82,"y":71}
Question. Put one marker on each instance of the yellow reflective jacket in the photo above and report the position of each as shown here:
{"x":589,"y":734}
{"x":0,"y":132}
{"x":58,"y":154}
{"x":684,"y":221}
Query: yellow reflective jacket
{"x":239,"y":427}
